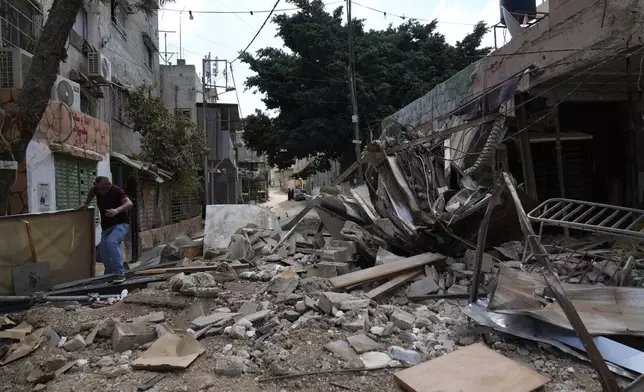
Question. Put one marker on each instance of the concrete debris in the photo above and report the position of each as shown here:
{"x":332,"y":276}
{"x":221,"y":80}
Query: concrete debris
{"x":129,"y":336}
{"x":231,"y":366}
{"x":341,"y":349}
{"x":215,"y":318}
{"x":282,"y":285}
{"x":363,"y":343}
{"x":341,"y":301}
{"x":403,"y":320}
{"x":155,"y":317}
{"x":338,"y":251}
{"x":424,"y":286}
{"x":77,"y":343}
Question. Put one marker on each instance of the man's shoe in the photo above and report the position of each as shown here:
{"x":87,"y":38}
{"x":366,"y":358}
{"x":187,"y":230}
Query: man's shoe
{"x":119,"y":279}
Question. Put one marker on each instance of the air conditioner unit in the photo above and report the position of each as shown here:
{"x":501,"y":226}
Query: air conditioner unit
{"x":99,"y":68}
{"x":14,"y":65}
{"x":68,"y":92}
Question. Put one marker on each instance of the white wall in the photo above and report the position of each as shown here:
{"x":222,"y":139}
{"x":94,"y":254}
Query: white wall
{"x":41,"y":170}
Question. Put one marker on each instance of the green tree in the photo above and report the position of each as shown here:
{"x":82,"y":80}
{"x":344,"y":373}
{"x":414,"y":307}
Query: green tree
{"x":19,"y":121}
{"x":172,"y":142}
{"x":307,"y":84}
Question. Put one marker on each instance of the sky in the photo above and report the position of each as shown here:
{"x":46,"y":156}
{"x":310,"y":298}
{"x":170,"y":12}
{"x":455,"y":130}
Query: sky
{"x":225,"y":35}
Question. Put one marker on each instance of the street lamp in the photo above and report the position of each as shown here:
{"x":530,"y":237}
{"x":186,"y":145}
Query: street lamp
{"x":191,"y":18}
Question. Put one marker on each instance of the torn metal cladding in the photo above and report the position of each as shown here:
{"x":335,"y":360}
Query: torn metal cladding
{"x":411,"y":171}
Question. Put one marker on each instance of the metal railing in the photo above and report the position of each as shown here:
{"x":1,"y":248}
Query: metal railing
{"x":21,"y":22}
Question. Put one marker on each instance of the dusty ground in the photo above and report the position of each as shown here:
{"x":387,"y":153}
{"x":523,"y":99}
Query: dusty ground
{"x":300,"y":350}
{"x":282,"y":207}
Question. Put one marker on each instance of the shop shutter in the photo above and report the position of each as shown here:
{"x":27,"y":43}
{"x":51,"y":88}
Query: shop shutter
{"x":67,"y":182}
{"x":74,"y":178}
{"x":87,"y":175}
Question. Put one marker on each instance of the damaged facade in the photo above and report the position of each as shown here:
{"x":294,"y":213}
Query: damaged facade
{"x":558,"y":107}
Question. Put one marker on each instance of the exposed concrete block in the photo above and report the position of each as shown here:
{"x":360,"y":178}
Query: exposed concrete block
{"x":127,"y":336}
{"x":403,"y":320}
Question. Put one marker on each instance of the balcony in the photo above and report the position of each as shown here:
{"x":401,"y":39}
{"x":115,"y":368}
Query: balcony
{"x":21,"y":21}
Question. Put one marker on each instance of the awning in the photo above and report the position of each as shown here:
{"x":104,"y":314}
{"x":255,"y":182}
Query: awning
{"x":159,"y":175}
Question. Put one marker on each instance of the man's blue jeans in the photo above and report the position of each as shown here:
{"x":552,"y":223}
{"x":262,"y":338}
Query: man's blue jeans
{"x":110,"y":248}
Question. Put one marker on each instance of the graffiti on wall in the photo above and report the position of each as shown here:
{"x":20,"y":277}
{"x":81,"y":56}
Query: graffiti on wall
{"x":63,"y":130}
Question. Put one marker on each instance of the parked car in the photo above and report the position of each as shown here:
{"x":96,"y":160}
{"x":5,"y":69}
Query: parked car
{"x":298,"y":195}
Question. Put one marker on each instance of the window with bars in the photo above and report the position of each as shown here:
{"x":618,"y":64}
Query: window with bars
{"x":119,"y":17}
{"x":120,"y":100}
{"x":21,"y":22}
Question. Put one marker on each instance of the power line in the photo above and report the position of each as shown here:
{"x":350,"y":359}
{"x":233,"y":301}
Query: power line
{"x":251,"y":12}
{"x":403,"y":17}
{"x":258,"y":31}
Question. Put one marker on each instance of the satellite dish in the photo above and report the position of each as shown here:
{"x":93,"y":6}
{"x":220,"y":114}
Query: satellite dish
{"x":65,"y":93}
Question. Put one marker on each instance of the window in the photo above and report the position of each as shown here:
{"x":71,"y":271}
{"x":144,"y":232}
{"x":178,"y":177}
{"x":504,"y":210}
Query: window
{"x":184,"y":112}
{"x":21,"y":23}
{"x":120,"y":98}
{"x":80,"y":26}
{"x":119,"y":16}
{"x":149,"y":58}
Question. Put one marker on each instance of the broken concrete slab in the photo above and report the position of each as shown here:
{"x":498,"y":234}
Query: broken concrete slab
{"x":51,"y":336}
{"x":223,"y":220}
{"x":283,"y":285}
{"x":256,"y":316}
{"x":424,"y":286}
{"x":214,"y":318}
{"x":76,"y":343}
{"x":402,"y":319}
{"x":384,"y":256}
{"x":241,"y":287}
{"x":195,"y":311}
{"x":232,"y":366}
{"x":154,"y":317}
{"x":338,"y":251}
{"x":248,"y":308}
{"x":127,"y":336}
{"x":341,"y":349}
{"x":92,"y":335}
{"x":341,"y":301}
{"x":363,"y":343}
{"x":170,"y":352}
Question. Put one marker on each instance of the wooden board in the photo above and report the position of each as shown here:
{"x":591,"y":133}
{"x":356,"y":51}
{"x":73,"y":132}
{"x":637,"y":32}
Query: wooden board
{"x":475,"y":368}
{"x":393,"y":283}
{"x":385,"y":270}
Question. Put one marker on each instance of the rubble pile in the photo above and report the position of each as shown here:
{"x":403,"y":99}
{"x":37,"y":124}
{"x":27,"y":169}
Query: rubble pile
{"x":313,"y":309}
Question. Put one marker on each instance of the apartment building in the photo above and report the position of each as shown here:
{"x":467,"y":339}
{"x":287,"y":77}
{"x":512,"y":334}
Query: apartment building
{"x":84,"y":131}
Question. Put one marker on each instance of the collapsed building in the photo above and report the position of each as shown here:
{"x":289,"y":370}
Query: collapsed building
{"x":559,"y":107}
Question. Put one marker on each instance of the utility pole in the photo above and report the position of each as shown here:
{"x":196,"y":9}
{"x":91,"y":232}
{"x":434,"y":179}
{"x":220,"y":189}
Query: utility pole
{"x":207,"y":83}
{"x":206,"y":172}
{"x":352,"y":90}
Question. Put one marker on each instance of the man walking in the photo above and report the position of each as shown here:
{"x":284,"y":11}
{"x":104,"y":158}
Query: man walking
{"x":114,"y":205}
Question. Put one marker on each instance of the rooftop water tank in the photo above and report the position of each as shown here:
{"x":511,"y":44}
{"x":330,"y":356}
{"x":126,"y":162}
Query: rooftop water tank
{"x":522,"y":7}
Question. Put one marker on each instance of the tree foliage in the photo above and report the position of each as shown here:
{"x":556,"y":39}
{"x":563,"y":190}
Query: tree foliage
{"x":172,"y":142}
{"x":307,"y":82}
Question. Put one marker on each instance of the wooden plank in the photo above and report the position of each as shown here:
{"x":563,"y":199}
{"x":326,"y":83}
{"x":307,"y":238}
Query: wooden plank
{"x":475,"y":368}
{"x":393,"y":283}
{"x":385,"y":270}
